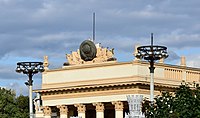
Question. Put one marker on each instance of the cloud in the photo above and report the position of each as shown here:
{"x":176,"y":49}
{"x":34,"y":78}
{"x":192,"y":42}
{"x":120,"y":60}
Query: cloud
{"x":7,"y":73}
{"x":193,"y":61}
{"x":172,"y":56}
{"x":19,"y":88}
{"x":180,"y":40}
{"x":31,"y":29}
{"x":49,"y":27}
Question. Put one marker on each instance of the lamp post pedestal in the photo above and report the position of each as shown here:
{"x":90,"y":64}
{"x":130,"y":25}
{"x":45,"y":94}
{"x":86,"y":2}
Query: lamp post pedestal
{"x":30,"y":68}
{"x":151,"y":53}
{"x":31,"y":101}
{"x":152,"y":68}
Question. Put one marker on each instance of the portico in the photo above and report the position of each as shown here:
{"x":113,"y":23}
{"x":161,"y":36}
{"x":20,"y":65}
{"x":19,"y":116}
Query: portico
{"x":99,"y":110}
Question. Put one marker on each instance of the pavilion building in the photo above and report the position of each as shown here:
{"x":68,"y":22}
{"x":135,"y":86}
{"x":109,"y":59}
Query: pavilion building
{"x":99,"y":88}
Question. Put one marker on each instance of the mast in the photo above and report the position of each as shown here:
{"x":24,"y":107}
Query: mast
{"x":93,"y":39}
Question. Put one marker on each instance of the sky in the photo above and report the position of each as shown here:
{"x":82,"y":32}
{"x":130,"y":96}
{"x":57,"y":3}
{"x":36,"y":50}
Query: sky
{"x":31,"y":29}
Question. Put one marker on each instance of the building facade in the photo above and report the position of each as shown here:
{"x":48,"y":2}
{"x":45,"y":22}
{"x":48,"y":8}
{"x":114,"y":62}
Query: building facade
{"x":99,"y":88}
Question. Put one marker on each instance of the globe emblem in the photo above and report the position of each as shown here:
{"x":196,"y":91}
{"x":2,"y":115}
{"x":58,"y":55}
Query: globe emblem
{"x":87,"y":50}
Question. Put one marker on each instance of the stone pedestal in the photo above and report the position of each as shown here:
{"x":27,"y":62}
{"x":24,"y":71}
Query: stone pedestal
{"x":39,"y":114}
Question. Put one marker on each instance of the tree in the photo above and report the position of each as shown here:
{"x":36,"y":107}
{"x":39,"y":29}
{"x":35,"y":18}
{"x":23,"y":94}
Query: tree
{"x":184,"y":103}
{"x":12,"y":106}
{"x":187,"y":102}
{"x":22,"y":103}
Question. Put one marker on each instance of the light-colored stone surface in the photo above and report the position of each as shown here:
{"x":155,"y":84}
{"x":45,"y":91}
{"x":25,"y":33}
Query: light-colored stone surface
{"x":39,"y":114}
{"x":99,"y":114}
{"x":92,"y":73}
{"x":85,"y":100}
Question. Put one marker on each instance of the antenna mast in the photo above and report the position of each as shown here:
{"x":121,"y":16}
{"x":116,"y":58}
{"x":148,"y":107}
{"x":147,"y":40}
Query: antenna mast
{"x":93,"y":27}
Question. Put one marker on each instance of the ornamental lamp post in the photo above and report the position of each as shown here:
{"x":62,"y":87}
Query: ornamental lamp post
{"x":30,"y":68}
{"x":152,"y":53}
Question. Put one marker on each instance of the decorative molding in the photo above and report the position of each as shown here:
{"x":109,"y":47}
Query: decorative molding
{"x":90,"y":94}
{"x":99,"y":106}
{"x":129,"y":85}
{"x":93,"y":83}
{"x":119,"y":106}
{"x":47,"y":110}
{"x":80,"y":108}
{"x":88,"y":89}
{"x":63,"y":109}
{"x":141,"y":89}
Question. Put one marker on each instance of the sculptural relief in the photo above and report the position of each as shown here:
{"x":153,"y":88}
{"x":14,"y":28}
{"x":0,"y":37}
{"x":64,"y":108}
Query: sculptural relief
{"x":89,"y":53}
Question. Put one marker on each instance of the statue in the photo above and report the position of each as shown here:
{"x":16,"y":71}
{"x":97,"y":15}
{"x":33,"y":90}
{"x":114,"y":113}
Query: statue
{"x":37,"y":103}
{"x":46,"y":62}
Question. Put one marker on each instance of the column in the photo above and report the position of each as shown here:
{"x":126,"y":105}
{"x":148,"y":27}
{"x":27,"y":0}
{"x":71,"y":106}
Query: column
{"x":47,"y":112}
{"x":81,"y":110}
{"x":118,"y":109}
{"x":63,"y":111}
{"x":99,"y":109}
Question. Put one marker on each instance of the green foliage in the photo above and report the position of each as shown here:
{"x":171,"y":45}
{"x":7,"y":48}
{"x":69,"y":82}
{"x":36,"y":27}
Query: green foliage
{"x":184,"y":103}
{"x":12,"y":106}
{"x":22,"y":103}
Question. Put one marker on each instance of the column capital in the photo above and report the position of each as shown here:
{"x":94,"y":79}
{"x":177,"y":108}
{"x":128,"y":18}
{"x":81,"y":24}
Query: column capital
{"x":47,"y":110}
{"x":118,"y":105}
{"x":99,"y":106}
{"x":63,"y":109}
{"x":80,"y":108}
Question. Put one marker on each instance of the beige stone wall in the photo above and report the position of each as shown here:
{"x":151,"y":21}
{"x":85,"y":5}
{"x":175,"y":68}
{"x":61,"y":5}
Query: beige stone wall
{"x":110,"y":81}
{"x":89,"y":72}
{"x":109,"y":72}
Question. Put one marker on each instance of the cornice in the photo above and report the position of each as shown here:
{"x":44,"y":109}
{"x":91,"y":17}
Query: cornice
{"x":106,"y":87}
{"x":114,"y":63}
